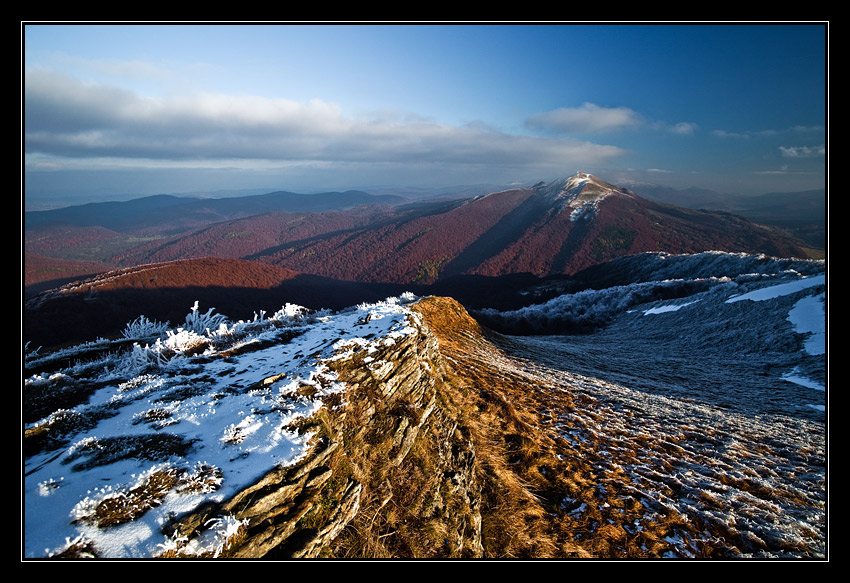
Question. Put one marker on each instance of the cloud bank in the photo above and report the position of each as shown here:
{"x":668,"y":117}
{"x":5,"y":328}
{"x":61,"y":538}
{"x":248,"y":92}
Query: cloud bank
{"x":589,"y":118}
{"x":803,"y":151}
{"x":68,"y":119}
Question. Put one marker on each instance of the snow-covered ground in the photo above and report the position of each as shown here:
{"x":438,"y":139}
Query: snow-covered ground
{"x":808,"y":318}
{"x":229,"y":410}
{"x":697,"y":318}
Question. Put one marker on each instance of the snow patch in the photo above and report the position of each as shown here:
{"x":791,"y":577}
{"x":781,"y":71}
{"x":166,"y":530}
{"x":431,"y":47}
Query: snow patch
{"x":192,"y":390}
{"x":808,"y":317}
{"x":779,"y":290}
{"x":668,"y":308}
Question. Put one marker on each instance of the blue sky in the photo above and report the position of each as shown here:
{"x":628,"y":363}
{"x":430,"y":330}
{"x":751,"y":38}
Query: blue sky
{"x":119,"y":110}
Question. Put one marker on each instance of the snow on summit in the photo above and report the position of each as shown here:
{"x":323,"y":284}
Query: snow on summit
{"x":581,"y":193}
{"x":212,"y":407}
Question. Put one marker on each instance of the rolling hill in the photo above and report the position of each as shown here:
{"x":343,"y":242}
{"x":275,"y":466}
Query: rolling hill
{"x":99,"y":306}
{"x":552,"y":229}
{"x":556,"y":228}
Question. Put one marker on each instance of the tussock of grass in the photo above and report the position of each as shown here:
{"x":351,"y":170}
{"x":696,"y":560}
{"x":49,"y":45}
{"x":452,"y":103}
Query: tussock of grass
{"x":79,"y":549}
{"x":153,"y":447}
{"x":125,"y":507}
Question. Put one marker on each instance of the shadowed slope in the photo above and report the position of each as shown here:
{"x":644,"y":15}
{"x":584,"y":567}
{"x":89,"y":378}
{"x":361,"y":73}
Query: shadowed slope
{"x":101,"y":306}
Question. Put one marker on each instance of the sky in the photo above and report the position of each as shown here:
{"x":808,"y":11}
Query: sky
{"x":113,"y":111}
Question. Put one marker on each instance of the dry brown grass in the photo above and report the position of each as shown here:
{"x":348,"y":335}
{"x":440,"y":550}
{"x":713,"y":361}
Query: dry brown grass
{"x":544,"y":495}
{"x":504,"y":428}
{"x":126,"y":506}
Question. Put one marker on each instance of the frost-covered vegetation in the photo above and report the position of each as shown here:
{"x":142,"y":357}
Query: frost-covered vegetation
{"x":122,"y":436}
{"x":650,"y":277}
{"x":706,"y":407}
{"x":693,"y":317}
{"x":588,"y":310}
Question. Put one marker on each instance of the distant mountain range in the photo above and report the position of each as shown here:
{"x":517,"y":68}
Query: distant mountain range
{"x":62,"y":245}
{"x":167,"y":213}
{"x":548,"y":229}
{"x":801,"y":213}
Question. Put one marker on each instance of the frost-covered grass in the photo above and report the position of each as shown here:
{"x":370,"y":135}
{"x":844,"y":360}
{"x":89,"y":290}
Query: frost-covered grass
{"x":176,"y":418}
{"x":651,"y":277}
{"x":702,"y":389}
{"x":740,"y":485}
{"x":709,"y":306}
{"x":709,"y":406}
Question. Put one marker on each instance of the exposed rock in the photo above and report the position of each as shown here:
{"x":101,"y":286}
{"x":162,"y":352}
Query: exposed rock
{"x":391,"y":460}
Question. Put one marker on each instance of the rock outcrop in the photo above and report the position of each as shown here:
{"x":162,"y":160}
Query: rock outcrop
{"x":390,"y":452}
{"x":415,"y":459}
{"x":410,"y":445}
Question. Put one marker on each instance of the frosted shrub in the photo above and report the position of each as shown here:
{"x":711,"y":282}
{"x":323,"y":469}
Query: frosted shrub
{"x":142,"y":327}
{"x":220,"y":532}
{"x":131,"y":363}
{"x":407,"y":297}
{"x":141,"y":358}
{"x":227,"y":332}
{"x":29,"y":352}
{"x":588,"y":310}
{"x":404,"y":298}
{"x":214,"y":541}
{"x":184,"y":340}
{"x":290,"y":312}
{"x":200,"y":323}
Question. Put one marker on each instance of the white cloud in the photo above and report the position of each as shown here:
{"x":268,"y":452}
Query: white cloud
{"x":746,"y":134}
{"x":802,"y":151}
{"x":589,"y":118}
{"x":593,"y":119}
{"x":726,"y":134}
{"x":70,"y":119}
{"x":683,"y":128}
{"x":780,"y":170}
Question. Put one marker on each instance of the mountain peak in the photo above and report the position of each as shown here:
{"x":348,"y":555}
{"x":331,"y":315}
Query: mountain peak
{"x":578,"y":194}
{"x":590,"y":184}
